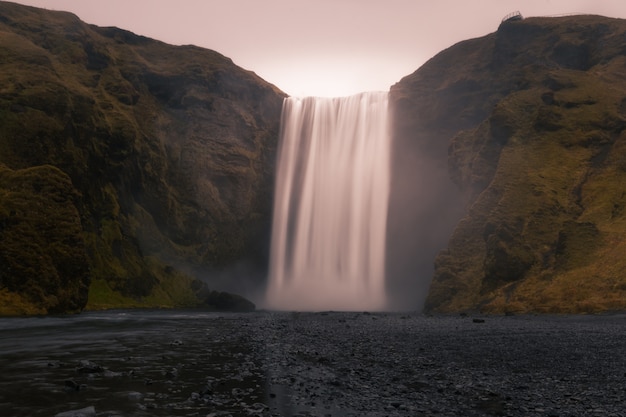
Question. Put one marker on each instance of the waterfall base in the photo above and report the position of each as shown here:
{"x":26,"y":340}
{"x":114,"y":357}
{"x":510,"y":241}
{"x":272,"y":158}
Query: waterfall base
{"x":311,"y":294}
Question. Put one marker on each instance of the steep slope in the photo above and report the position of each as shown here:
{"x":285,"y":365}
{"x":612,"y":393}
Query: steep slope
{"x":532,"y":118}
{"x":167,"y":153}
{"x":40,"y":236}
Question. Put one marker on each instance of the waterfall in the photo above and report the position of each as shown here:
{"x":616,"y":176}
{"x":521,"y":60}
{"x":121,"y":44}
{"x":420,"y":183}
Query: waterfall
{"x":330,"y":206}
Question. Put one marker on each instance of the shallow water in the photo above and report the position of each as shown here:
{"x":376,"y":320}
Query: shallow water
{"x":189,"y":363}
{"x":142,"y":362}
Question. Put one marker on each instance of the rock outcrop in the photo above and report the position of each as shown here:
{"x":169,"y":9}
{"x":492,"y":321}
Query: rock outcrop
{"x":531,"y":119}
{"x":154,"y":159}
{"x":43,"y":258}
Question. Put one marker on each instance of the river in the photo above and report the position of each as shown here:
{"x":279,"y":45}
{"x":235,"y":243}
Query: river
{"x":193,"y":363}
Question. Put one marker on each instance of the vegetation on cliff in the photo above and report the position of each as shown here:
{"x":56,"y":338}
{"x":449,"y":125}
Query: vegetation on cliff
{"x":40,"y":236}
{"x":141,"y":164}
{"x":532,"y":118}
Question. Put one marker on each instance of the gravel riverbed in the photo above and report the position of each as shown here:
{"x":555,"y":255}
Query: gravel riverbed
{"x":188,"y":363}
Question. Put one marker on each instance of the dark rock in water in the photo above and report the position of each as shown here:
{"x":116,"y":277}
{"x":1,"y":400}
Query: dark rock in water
{"x":88,"y":367}
{"x":112,"y":374}
{"x":71,"y":385}
{"x":135,"y":396}
{"x":171,"y":374}
{"x":223,"y":301}
{"x":478,"y":320}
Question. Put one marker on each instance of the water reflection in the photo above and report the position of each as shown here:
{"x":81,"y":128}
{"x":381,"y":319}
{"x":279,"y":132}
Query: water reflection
{"x":128,"y":363}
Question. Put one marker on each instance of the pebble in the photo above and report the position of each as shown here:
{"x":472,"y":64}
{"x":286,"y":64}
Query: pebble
{"x":135,"y":396}
{"x":83,"y":412}
{"x":340,"y":364}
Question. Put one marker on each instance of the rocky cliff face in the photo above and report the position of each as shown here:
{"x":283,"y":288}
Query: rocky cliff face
{"x":531,"y":121}
{"x":141,"y":159}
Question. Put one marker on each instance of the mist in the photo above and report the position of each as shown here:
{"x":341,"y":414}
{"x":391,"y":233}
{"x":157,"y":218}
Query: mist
{"x":424,"y":207}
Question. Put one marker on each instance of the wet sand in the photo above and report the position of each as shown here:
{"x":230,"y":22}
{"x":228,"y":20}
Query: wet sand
{"x":187,"y":363}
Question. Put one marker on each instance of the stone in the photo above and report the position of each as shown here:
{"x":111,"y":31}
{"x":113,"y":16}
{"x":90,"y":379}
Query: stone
{"x":83,"y":412}
{"x":88,"y":367}
{"x":135,"y":396}
{"x":71,"y":385}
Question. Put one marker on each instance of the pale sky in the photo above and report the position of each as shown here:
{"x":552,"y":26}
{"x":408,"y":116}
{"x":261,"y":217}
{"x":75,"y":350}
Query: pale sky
{"x":321,"y":47}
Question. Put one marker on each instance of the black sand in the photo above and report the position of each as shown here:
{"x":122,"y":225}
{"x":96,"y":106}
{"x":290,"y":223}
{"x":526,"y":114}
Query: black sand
{"x":312,"y":364}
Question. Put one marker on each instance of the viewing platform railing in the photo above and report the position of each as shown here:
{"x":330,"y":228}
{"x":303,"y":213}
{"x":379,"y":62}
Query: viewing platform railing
{"x":512,"y":16}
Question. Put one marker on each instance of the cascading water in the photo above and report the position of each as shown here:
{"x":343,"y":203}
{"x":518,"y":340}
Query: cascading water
{"x":330,"y":207}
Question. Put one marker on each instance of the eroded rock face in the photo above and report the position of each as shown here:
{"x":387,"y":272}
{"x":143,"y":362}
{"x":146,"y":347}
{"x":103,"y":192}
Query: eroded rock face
{"x":170,"y":149}
{"x":43,"y":260}
{"x":532,"y":121}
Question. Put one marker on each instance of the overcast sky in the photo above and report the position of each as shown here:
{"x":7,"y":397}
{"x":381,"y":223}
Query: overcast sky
{"x":321,"y":47}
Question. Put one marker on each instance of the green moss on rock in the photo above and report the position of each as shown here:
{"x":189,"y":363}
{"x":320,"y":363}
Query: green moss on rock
{"x":539,"y":165}
{"x":169,"y":151}
{"x":42,"y":251}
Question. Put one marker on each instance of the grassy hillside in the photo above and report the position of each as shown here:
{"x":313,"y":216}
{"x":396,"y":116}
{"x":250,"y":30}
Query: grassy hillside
{"x":166,"y":151}
{"x":532,"y":124}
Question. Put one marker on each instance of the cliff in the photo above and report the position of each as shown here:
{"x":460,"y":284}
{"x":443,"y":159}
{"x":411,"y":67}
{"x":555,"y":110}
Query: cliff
{"x":127,"y":166}
{"x":530,"y":123}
